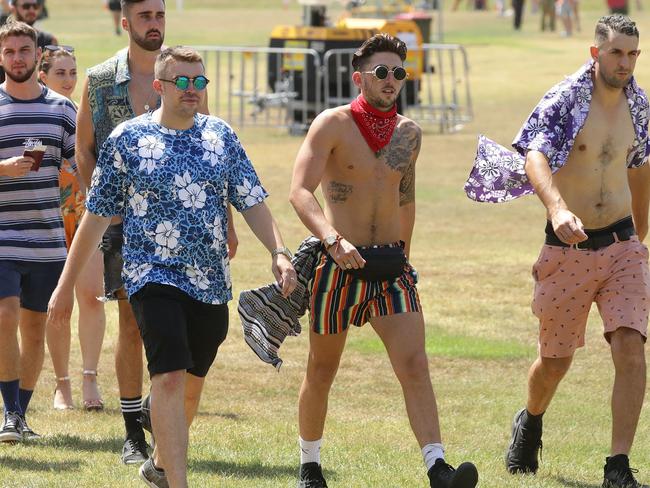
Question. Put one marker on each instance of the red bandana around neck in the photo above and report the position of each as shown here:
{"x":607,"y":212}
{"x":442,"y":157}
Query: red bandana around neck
{"x":376,"y":126}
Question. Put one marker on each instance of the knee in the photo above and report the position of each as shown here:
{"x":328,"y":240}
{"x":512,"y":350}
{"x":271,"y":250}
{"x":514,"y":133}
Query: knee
{"x":414,"y":368}
{"x":170,"y":382}
{"x":87,"y":300}
{"x":320,"y":372}
{"x":554,"y":369}
{"x":627,"y":348}
{"x":8,"y":316}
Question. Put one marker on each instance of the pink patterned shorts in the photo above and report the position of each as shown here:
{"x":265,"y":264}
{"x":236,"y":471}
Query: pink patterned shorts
{"x":568,"y":280}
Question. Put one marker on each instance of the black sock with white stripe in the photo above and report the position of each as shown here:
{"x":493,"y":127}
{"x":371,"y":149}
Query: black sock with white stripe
{"x":131,"y":410}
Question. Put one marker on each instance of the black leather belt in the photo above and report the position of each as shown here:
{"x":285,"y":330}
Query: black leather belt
{"x":621,"y":230}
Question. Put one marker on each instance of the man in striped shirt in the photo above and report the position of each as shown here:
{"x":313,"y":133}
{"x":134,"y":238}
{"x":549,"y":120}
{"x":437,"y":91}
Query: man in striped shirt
{"x":32,"y":240}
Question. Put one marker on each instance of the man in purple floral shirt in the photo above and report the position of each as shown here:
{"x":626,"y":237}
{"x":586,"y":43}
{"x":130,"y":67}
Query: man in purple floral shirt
{"x":583,"y":151}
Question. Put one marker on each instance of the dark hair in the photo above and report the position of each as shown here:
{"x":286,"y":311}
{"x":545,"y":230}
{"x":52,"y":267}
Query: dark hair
{"x":615,"y":23}
{"x":49,"y":55}
{"x":176,"y":53}
{"x":125,"y":4}
{"x":379,"y":43}
{"x":15,"y":28}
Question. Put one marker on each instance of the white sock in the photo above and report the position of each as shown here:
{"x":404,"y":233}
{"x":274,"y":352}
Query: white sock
{"x":309,"y":451}
{"x":431,"y":452}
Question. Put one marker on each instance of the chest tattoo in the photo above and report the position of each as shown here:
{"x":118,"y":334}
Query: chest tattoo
{"x":338,"y":192}
{"x":399,"y":152}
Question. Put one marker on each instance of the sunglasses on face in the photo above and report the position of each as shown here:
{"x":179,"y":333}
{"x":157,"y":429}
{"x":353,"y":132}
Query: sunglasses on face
{"x":54,"y":48}
{"x":183,"y":82}
{"x":381,"y":72}
{"x":27,"y":6}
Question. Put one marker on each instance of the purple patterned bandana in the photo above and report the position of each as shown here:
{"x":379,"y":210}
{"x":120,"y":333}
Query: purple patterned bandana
{"x":498,"y":174}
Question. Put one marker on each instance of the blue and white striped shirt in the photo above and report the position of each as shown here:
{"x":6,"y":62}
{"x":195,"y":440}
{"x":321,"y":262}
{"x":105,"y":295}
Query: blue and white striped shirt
{"x":31,"y":226}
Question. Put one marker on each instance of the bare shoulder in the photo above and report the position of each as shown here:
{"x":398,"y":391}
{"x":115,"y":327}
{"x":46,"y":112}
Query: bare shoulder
{"x":331,"y":123}
{"x":408,"y":126}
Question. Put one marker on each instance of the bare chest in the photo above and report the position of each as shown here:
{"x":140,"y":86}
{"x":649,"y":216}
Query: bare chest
{"x":142,"y":96}
{"x":605,"y":140}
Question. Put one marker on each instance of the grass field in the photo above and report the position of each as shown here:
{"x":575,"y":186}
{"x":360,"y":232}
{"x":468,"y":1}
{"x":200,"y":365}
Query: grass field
{"x":474,"y":264}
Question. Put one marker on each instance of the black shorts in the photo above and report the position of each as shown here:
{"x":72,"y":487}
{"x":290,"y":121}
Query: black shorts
{"x":178,"y":332}
{"x":114,"y":5}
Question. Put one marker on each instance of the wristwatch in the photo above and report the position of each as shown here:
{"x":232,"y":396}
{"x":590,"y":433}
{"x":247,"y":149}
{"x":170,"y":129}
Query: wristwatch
{"x":330,"y":240}
{"x":281,"y":250}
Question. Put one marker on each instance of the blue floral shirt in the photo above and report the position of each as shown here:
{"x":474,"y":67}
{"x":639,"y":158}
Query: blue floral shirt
{"x":172,"y":188}
{"x":498,"y":174}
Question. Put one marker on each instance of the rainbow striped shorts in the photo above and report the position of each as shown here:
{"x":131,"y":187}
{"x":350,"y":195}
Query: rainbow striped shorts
{"x":338,"y":299}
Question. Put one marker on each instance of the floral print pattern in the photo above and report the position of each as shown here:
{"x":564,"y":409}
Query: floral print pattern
{"x":172,"y":188}
{"x":498,"y":174}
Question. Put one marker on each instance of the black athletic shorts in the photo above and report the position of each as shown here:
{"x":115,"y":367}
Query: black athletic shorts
{"x":114,"y":5}
{"x":178,"y":332}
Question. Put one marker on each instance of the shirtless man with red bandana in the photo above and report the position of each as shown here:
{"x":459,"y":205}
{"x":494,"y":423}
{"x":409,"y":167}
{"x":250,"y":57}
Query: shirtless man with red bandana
{"x":363,"y":156}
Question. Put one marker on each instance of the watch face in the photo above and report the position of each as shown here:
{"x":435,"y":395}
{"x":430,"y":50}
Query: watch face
{"x":330,"y":241}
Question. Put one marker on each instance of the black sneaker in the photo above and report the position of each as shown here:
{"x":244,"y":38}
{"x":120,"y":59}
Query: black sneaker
{"x":12,"y":428}
{"x":442,"y":475}
{"x":618,"y":473}
{"x":135,"y":450}
{"x":311,"y":476}
{"x":524,"y":446}
{"x":145,"y":416}
{"x":28,"y":433}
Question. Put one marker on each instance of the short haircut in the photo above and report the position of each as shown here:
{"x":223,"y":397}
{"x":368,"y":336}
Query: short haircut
{"x":181,"y":54}
{"x":125,"y":4}
{"x":14,"y":28}
{"x":614,"y":24}
{"x":49,"y":56}
{"x":378,"y":43}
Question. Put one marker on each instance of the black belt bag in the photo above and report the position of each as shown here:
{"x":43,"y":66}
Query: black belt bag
{"x":382,"y":263}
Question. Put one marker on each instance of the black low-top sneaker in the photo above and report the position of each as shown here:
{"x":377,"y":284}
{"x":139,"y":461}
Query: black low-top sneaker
{"x":145,"y":416}
{"x":12,"y":428}
{"x":443,"y":475}
{"x":525,"y":445}
{"x":28,"y":433}
{"x":311,"y":476}
{"x":135,"y":450}
{"x":153,"y":476}
{"x":618,"y":473}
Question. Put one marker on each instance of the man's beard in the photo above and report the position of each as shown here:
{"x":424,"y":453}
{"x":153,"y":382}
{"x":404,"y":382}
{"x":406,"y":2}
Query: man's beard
{"x":22,"y":19}
{"x":613,"y":81}
{"x":148,"y":44}
{"x":23,"y":78}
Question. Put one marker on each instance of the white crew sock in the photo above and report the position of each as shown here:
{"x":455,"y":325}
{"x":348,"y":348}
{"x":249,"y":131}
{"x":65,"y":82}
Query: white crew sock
{"x":309,"y":451}
{"x":431,"y":452}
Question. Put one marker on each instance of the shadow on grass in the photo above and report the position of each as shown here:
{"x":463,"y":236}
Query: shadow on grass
{"x":29,"y":464}
{"x":76,"y":443}
{"x":223,"y":415}
{"x":575,"y":484}
{"x":248,"y":470}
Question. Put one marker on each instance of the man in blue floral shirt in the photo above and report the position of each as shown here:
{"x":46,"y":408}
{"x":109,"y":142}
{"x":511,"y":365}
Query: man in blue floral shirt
{"x":170,"y":175}
{"x":584,"y":152}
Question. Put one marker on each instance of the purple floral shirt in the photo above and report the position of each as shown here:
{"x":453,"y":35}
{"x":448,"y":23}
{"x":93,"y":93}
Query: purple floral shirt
{"x":498,"y":174}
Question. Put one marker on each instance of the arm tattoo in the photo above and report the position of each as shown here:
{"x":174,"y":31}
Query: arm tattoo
{"x":338,"y":192}
{"x":402,"y":148}
{"x":407,"y":186}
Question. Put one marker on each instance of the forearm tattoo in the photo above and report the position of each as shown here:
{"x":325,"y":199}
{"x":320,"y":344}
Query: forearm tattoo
{"x":338,"y":192}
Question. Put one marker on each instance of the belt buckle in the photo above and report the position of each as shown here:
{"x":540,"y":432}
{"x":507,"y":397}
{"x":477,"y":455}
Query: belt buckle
{"x":577,"y":247}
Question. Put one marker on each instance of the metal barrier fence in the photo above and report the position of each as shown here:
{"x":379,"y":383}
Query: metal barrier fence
{"x":288,"y":87}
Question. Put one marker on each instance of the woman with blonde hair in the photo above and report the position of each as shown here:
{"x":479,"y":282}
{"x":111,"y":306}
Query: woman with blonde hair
{"x":58,"y":71}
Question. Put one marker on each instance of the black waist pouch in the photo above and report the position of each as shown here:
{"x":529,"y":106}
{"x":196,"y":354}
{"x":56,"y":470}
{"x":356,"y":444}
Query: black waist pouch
{"x":382,"y":263}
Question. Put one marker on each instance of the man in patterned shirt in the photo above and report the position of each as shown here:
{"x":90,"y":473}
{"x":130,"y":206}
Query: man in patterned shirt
{"x":170,"y":175}
{"x":586,"y":148}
